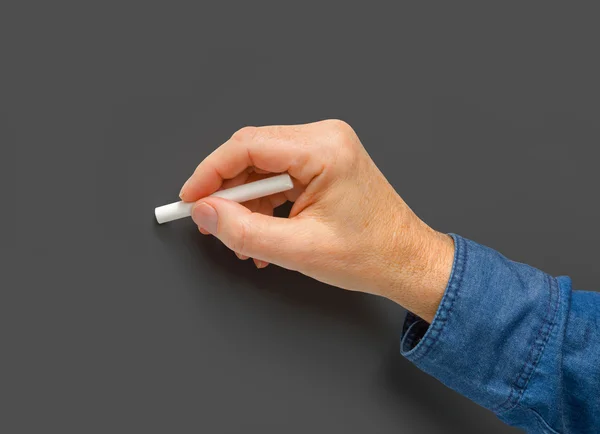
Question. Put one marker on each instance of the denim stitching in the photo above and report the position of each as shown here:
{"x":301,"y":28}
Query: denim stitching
{"x":536,"y":350}
{"x":447,"y":304}
{"x":408,"y":321}
{"x":413,"y":327}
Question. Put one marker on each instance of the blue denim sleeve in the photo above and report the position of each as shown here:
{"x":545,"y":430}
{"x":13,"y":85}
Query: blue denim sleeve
{"x":515,"y":340}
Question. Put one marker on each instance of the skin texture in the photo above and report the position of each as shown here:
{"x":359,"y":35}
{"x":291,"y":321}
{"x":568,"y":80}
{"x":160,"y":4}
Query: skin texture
{"x":348,"y":227}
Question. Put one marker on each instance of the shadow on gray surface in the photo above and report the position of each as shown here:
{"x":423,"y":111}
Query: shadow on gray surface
{"x":405,"y":386}
{"x":289,"y":288}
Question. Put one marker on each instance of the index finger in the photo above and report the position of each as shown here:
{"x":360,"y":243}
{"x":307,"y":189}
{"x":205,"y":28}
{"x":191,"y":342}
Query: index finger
{"x":272,"y":149}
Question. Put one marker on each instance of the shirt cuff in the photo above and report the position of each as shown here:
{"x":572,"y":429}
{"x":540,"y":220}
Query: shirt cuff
{"x":490,"y":328}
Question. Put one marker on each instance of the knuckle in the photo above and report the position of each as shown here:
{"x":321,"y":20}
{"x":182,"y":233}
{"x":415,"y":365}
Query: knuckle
{"x":342,"y":134}
{"x":344,"y":144}
{"x":340,"y":127}
{"x":244,"y":134}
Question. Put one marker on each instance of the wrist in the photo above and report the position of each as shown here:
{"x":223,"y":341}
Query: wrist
{"x":434,"y":280}
{"x":425,"y":268}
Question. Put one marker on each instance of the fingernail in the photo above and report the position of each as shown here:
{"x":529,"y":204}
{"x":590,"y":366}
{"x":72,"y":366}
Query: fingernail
{"x":183,"y":189}
{"x":206,"y":217}
{"x":260,"y":264}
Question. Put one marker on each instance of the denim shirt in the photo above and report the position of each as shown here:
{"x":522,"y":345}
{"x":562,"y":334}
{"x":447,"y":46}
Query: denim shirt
{"x":515,"y":340}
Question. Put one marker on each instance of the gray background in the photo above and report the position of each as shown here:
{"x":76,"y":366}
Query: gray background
{"x":484,"y":118}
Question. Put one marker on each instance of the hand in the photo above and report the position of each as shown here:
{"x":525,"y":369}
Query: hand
{"x":348,"y":227}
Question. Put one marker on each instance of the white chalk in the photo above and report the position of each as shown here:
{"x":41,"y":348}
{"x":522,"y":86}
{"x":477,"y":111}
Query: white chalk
{"x":241,"y":193}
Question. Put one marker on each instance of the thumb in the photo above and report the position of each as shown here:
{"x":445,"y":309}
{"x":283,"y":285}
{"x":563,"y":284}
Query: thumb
{"x":252,"y":234}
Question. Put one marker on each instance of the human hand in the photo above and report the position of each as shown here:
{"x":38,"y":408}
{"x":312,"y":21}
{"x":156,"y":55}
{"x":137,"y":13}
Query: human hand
{"x":348,"y":227}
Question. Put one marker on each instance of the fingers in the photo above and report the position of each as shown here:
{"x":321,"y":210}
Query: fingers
{"x":260,"y":264}
{"x":265,"y":238}
{"x":268,"y":149}
{"x":265,"y":207}
{"x":250,"y":175}
{"x":242,"y":178}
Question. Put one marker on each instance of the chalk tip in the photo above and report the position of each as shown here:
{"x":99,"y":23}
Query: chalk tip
{"x":158,"y":220}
